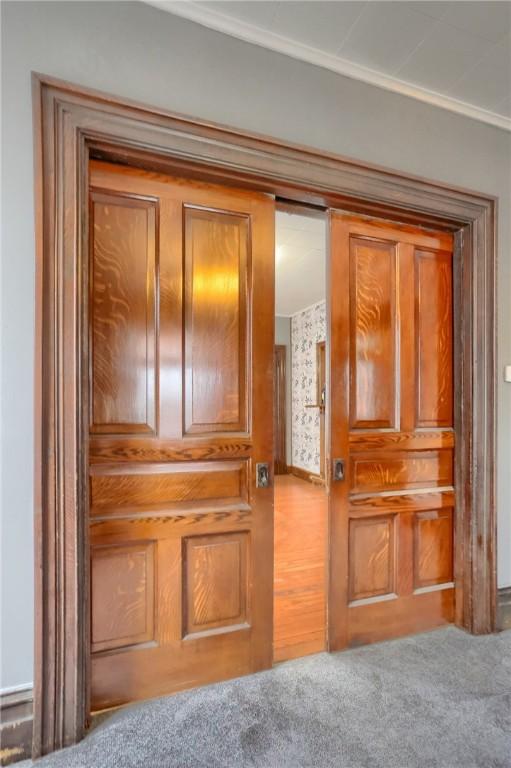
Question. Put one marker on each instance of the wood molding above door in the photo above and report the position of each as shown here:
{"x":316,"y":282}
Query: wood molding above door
{"x":72,"y":125}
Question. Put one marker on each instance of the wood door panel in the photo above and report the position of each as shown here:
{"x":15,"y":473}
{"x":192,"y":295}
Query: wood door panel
{"x":373,"y":473}
{"x":372,"y":334}
{"x":405,"y":441}
{"x":193,"y":662}
{"x":364,"y":506}
{"x":371,"y":556}
{"x":109,"y":451}
{"x":119,"y":486}
{"x":433,"y":320}
{"x":123,"y":320}
{"x":391,"y":516}
{"x":122,"y":580}
{"x":433,"y":548}
{"x":215,"y":588}
{"x":215,"y":518}
{"x":400,"y":616}
{"x":181,"y":537}
{"x":216,"y":288}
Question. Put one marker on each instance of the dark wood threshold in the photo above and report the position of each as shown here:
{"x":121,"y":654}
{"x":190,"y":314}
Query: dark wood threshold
{"x":504,"y":608}
{"x":16,"y":714}
{"x":304,"y":474}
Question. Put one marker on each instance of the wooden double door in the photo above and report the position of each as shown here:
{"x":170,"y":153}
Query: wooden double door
{"x":181,"y":318}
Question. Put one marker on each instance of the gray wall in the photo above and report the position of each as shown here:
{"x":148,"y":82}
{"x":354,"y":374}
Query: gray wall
{"x":283,"y":336}
{"x":143,"y":53}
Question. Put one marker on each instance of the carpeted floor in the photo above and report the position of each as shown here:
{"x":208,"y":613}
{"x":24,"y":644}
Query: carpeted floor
{"x":437,"y":699}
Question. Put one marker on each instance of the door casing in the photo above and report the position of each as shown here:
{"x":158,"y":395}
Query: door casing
{"x":72,"y":125}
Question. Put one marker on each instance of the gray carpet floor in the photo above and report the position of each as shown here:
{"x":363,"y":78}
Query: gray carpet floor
{"x":436,"y":699}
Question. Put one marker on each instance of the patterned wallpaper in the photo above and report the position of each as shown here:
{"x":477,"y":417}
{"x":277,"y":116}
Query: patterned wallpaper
{"x":307,"y":328}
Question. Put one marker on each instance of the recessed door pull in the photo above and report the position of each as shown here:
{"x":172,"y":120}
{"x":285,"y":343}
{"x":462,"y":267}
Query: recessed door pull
{"x":337,"y":469}
{"x":262,"y":475}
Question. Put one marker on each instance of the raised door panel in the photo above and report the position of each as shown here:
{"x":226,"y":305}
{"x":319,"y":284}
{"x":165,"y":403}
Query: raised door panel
{"x":433,"y":548}
{"x":122,"y":584}
{"x":372,"y":473}
{"x":433,"y":321}
{"x":215,"y":582}
{"x":371,"y":557}
{"x":123,"y":315}
{"x":372,"y":334}
{"x":216,"y":288}
{"x":125,"y":486}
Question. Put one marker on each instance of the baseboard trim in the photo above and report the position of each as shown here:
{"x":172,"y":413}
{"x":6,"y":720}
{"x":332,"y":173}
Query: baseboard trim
{"x":16,"y":713}
{"x":304,"y":474}
{"x":504,"y":608}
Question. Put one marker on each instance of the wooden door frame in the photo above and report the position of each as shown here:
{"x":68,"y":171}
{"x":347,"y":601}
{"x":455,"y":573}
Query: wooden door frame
{"x":73,"y":124}
{"x":321,"y":345}
{"x":281,"y":435}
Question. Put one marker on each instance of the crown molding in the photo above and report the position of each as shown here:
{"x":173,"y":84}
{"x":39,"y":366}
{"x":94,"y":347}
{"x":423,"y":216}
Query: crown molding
{"x":272,"y":41}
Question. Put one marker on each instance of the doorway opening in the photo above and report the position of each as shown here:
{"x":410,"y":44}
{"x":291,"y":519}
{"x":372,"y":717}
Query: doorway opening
{"x":301,"y":508}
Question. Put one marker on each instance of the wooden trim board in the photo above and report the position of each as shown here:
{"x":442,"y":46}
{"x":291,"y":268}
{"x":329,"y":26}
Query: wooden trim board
{"x":16,"y":726}
{"x":304,"y":474}
{"x":72,"y":125}
{"x":504,"y":608}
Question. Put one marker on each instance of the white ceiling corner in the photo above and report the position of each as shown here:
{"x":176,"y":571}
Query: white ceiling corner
{"x":455,"y":54}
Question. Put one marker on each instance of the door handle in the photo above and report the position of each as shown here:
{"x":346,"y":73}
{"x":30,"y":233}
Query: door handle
{"x":337,"y":470}
{"x":262,"y":474}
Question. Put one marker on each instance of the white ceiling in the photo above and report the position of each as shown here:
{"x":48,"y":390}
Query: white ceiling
{"x":456,"y":55}
{"x":299,"y":263}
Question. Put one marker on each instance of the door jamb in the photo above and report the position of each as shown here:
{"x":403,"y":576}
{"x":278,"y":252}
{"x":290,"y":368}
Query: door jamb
{"x":73,"y":124}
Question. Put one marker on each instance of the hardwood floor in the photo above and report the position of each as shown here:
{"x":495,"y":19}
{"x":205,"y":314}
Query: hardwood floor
{"x":301,"y":515}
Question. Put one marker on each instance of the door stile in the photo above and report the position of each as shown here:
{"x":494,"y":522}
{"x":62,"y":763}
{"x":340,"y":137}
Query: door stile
{"x":337,"y":433}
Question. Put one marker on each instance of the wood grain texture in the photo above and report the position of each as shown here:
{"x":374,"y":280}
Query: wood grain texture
{"x":394,"y":508}
{"x":433,"y":547}
{"x":375,"y":472}
{"x":122,"y":581}
{"x":371,"y":557}
{"x":216,"y":298}
{"x":153,"y":450}
{"x":433,"y":320}
{"x":71,"y":125}
{"x":126,"y":486}
{"x":122,"y":305}
{"x":182,"y":538}
{"x":408,"y":502}
{"x":402,"y":440}
{"x":300,"y":581}
{"x":215,"y":584}
{"x":372,"y":334}
{"x":409,"y":615}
